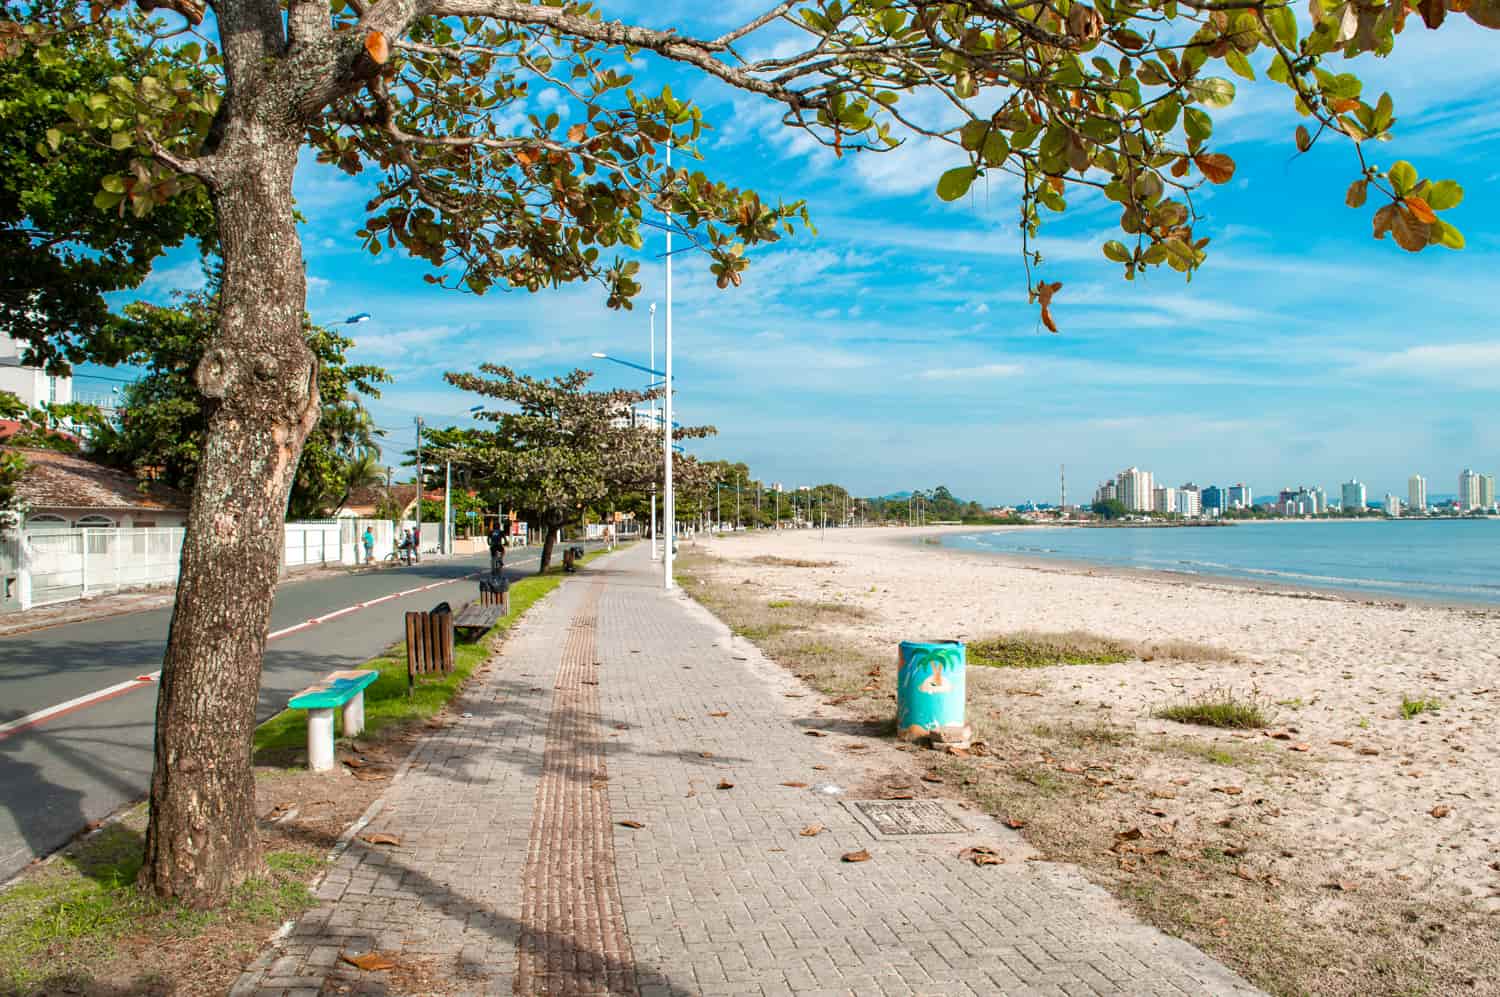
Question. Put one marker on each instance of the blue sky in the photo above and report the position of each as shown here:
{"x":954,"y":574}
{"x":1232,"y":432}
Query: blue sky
{"x":895,"y":349}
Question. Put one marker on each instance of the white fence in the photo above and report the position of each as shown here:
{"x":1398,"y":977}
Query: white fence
{"x":45,"y":566}
{"x":75,"y":564}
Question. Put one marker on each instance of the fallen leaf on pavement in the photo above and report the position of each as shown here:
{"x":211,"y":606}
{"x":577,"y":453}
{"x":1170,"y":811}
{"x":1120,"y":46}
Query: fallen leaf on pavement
{"x":726,"y":784}
{"x":366,"y":776}
{"x":1369,"y":751}
{"x":1301,"y":747}
{"x":795,"y":785}
{"x":898,"y":794}
{"x":1234,"y":851}
{"x":1343,"y":744}
{"x":1130,"y":834}
{"x":719,"y":713}
{"x":1440,"y":811}
{"x":370,"y":962}
{"x":1281,"y":735}
{"x":811,"y":831}
{"x":982,"y":855}
{"x":381,"y":838}
{"x":1229,"y":790}
{"x":860,"y":856}
{"x":1071,"y":769}
{"x":1244,"y":873}
{"x":1342,"y":885}
{"x":355,"y":763}
{"x":1013,"y":824}
{"x":634,"y":824}
{"x":816,"y":733}
{"x":932,"y":777}
{"x":622,"y":726}
{"x":820,"y":768}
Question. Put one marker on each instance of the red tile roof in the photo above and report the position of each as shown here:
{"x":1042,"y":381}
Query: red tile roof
{"x":67,"y":481}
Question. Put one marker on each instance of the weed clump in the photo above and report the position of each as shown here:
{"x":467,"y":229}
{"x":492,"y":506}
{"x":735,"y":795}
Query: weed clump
{"x":1217,"y":708}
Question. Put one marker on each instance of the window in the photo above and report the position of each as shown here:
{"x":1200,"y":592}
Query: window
{"x":94,"y":522}
{"x":46,"y":521}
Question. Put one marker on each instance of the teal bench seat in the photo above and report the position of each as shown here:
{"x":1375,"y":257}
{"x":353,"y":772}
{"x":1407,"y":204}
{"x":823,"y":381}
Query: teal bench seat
{"x":344,"y":691}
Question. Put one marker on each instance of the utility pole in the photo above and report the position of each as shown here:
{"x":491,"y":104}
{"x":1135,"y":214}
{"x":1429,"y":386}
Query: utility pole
{"x":1062,"y":481}
{"x":417,"y":545}
{"x":736,"y":505}
{"x":653,"y":424}
{"x":448,"y":508}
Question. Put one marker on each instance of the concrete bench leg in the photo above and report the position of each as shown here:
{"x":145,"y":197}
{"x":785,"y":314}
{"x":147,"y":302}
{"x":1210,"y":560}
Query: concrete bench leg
{"x":320,"y":739}
{"x":354,"y":715}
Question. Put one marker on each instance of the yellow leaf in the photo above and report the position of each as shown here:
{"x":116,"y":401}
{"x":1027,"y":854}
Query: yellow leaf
{"x":1216,"y":166}
{"x":1421,"y":209}
{"x":577,"y":132}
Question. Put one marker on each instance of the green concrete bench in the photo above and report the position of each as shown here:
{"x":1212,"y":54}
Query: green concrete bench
{"x":344,"y":691}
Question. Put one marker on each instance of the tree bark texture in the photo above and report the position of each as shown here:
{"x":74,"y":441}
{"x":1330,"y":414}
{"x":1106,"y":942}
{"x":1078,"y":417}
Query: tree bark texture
{"x":548,"y":545}
{"x":259,"y":381}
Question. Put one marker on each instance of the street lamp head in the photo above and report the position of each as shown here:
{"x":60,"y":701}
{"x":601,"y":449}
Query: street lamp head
{"x":357,"y":318}
{"x":599,"y":356}
{"x":477,"y":408}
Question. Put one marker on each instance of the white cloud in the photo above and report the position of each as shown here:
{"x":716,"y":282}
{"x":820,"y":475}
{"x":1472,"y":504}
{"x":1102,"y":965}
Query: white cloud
{"x":1465,"y":363}
{"x":983,"y":371}
{"x":185,"y":276}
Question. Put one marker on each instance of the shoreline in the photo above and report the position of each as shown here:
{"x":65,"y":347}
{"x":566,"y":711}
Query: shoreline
{"x":1196,"y":579}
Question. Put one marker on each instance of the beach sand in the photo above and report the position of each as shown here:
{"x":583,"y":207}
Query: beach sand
{"x":1350,"y":801}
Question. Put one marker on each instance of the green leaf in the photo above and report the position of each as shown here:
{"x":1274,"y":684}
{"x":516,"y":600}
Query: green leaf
{"x":106,"y":200}
{"x":54,"y":138}
{"x":1444,"y":194}
{"x":1115,"y":250}
{"x":114,"y":183}
{"x":1212,"y":91}
{"x":1446,"y":235}
{"x":1283,"y":25}
{"x":1235,"y":60}
{"x":995,"y":149}
{"x":956,"y":182}
{"x":1198,"y":125}
{"x":121,"y":140}
{"x":1403,"y":176}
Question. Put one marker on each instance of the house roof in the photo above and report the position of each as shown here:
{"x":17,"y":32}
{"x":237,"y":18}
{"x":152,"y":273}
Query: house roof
{"x":67,"y":481}
{"x":366,"y":499}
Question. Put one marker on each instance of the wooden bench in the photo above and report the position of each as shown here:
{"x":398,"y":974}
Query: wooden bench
{"x":429,"y":645}
{"x":338,"y":690}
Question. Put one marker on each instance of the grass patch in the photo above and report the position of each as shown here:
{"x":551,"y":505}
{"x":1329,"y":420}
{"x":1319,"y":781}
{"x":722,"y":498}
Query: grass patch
{"x":73,"y":913}
{"x":1030,"y":649}
{"x":1217,"y":708}
{"x":790,"y":562}
{"x":779,"y":604}
{"x":1416,"y":707}
{"x":386,"y":701}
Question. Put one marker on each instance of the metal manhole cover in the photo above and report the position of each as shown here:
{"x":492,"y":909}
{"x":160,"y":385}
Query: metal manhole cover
{"x":908,"y":817}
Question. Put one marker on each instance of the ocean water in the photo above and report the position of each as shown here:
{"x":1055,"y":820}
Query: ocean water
{"x":1451,"y":560}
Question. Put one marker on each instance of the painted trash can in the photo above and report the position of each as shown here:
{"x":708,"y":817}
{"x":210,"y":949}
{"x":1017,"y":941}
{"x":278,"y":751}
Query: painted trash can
{"x":929,"y":687}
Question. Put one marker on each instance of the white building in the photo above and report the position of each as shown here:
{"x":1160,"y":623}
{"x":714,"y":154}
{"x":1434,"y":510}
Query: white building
{"x":1133,"y":488}
{"x":1319,"y":501}
{"x":1416,"y":494}
{"x":1164,"y":499}
{"x":1241,"y":496}
{"x":1188,"y":502}
{"x":1468,"y":490}
{"x":1487,"y":492}
{"x":34,"y":386}
{"x":1353,"y":495}
{"x":1392,"y":505}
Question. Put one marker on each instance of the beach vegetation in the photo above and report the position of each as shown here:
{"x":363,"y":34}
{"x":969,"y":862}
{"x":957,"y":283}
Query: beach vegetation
{"x":1217,"y":707}
{"x":778,"y":603}
{"x":1416,"y":707}
{"x":1035,"y":649}
{"x":790,"y":562}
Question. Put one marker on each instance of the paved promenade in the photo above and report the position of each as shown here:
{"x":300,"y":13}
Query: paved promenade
{"x":616,"y":702}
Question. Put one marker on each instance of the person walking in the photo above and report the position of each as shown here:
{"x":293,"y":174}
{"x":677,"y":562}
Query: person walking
{"x":497,"y":549}
{"x":369,"y":542}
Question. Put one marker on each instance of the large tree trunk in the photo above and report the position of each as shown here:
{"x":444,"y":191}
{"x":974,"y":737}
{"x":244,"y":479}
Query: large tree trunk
{"x":548,"y":545}
{"x":260,"y":383}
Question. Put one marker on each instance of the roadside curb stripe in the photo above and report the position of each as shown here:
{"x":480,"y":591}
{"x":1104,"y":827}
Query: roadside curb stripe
{"x":142,"y":681}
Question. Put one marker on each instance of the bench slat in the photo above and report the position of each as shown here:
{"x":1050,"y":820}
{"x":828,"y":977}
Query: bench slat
{"x":335,"y":690}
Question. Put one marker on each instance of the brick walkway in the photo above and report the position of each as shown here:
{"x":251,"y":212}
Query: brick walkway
{"x":515,"y":876}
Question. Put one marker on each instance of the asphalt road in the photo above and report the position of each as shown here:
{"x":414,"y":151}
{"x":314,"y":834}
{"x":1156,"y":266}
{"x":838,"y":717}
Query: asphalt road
{"x":81,"y":766}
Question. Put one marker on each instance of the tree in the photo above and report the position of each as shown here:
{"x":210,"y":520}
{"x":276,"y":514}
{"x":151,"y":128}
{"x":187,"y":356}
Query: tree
{"x":163,"y":421}
{"x":1117,"y":97}
{"x":1108,"y":509}
{"x":557,"y":448}
{"x":60,"y":254}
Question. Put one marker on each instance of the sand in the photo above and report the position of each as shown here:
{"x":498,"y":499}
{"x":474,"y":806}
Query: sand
{"x":1410,"y":800}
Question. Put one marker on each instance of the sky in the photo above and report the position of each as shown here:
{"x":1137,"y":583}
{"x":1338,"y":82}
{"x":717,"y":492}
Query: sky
{"x":895,"y":348}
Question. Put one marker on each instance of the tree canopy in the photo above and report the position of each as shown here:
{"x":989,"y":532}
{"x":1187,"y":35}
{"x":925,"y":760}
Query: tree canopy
{"x":61,"y":255}
{"x":162,"y":421}
{"x":558,"y":447}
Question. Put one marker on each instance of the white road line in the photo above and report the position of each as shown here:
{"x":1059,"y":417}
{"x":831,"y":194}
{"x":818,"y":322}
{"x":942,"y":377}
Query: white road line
{"x":120,"y":688}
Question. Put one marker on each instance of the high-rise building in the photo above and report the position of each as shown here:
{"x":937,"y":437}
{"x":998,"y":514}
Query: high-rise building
{"x":1241,"y":496}
{"x":1468,"y":490}
{"x":1416,"y":494}
{"x":1392,"y":505}
{"x":1320,"y":500}
{"x":1353,"y":496}
{"x":1213,"y":500}
{"x":1487,"y":492}
{"x":1188,"y":502}
{"x":1105,"y":492}
{"x":1164,"y":499}
{"x":1133,"y":489}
